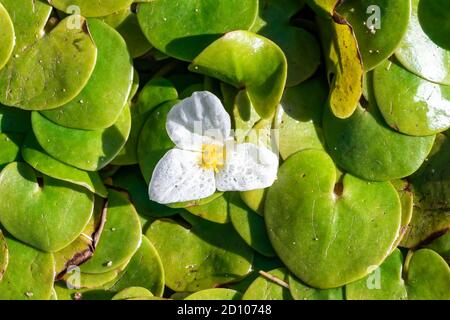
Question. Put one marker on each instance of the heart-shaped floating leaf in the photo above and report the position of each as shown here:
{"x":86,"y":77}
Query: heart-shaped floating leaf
{"x":145,"y":270}
{"x":120,"y":237}
{"x":269,"y":286}
{"x":379,"y":26}
{"x":441,"y":245}
{"x":9,"y":148}
{"x":52,"y":71}
{"x":29,"y":275}
{"x":132,"y":293}
{"x":103,"y":98}
{"x":301,"y":291}
{"x":41,"y":211}
{"x":247,"y":61}
{"x":182,"y":29}
{"x":126,"y":23}
{"x":13,"y":120}
{"x":89,"y":8}
{"x":215,"y":294}
{"x":4,"y":255}
{"x":301,"y":48}
{"x":36,"y":157}
{"x":344,"y":64}
{"x":409,"y":103}
{"x":201,"y":256}
{"x":315,"y":229}
{"x":431,"y":188}
{"x":300,"y":127}
{"x":426,"y":277}
{"x":249,"y":225}
{"x":86,"y":150}
{"x":7,"y":37}
{"x":366,"y":147}
{"x":384,"y":283}
{"x":416,"y":49}
{"x":435,"y":21}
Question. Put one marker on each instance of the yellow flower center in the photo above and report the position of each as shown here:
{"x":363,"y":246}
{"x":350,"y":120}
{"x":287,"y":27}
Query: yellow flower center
{"x":212,"y":157}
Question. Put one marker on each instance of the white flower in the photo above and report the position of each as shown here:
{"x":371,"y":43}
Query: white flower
{"x":206,"y":157}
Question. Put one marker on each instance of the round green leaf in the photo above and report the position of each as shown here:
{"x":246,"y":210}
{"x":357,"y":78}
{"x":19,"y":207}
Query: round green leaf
{"x":120,"y":237}
{"x":249,"y":225}
{"x":419,"y":54}
{"x":89,"y":8}
{"x":409,"y":103}
{"x":155,"y":92}
{"x":200,"y":256}
{"x":384,"y":283}
{"x":377,"y":39}
{"x":215,"y":211}
{"x":301,"y":291}
{"x":132,"y":293}
{"x":86,"y":150}
{"x":318,"y":225}
{"x":182,"y":29}
{"x":36,"y":157}
{"x":29,"y":275}
{"x":366,"y":147}
{"x":264,"y":288}
{"x":41,"y":211}
{"x":51,"y":72}
{"x":7,"y":37}
{"x":144,"y":270}
{"x":246,"y":60}
{"x":103,"y":98}
{"x":441,"y":245}
{"x":215,"y":294}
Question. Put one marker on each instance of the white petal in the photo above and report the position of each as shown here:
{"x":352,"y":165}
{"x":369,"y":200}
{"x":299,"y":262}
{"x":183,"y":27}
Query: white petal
{"x":247,"y":167}
{"x":178,"y":177}
{"x":199,"y":119}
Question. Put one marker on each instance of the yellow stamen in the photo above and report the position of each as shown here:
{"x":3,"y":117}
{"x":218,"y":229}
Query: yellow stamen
{"x":213,"y":157}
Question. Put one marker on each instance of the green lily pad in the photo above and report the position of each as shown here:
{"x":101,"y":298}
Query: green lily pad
{"x":215,"y":294}
{"x":200,"y":256}
{"x":41,"y":211}
{"x":301,"y":47}
{"x":86,"y":150}
{"x":144,"y":270}
{"x":154,"y":141}
{"x":441,"y":245}
{"x":4,"y":255}
{"x":366,"y":147}
{"x":428,"y":276}
{"x":89,"y":8}
{"x":431,"y":188}
{"x":419,"y":54}
{"x":377,"y":39}
{"x":7,"y":37}
{"x":78,"y":280}
{"x":50,"y":72}
{"x":250,"y":226}
{"x":126,"y":23}
{"x":214,"y":211}
{"x":384,"y":283}
{"x":344,"y":64}
{"x":29,"y":275}
{"x":132,"y":293}
{"x":434,"y":18}
{"x":36,"y":157}
{"x":246,"y":60}
{"x":255,"y":199}
{"x":301,"y":291}
{"x":105,"y":95}
{"x":301,"y":117}
{"x":10,"y":144}
{"x":13,"y":120}
{"x":314,"y":221}
{"x":120,"y":237}
{"x":155,"y":92}
{"x":182,"y":29}
{"x":264,"y":288}
{"x":410,"y":104}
